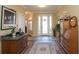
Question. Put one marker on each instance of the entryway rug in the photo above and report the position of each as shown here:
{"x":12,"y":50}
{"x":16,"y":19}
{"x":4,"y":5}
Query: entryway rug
{"x":43,"y":48}
{"x":43,"y":45}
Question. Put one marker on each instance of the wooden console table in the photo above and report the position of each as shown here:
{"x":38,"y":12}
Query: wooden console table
{"x":13,"y":45}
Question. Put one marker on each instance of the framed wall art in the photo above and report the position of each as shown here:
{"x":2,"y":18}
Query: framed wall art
{"x":8,"y":18}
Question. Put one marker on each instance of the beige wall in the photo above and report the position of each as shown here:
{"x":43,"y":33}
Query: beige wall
{"x":19,"y":19}
{"x":54,"y":19}
{"x":34,"y":24}
{"x":72,"y":10}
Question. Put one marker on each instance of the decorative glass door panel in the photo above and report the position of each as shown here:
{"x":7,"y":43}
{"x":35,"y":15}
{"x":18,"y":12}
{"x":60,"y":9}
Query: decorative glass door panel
{"x":44,"y":25}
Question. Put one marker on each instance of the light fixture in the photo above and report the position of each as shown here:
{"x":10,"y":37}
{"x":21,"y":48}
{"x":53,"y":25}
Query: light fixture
{"x":30,"y":18}
{"x":26,"y":12}
{"x":41,"y":6}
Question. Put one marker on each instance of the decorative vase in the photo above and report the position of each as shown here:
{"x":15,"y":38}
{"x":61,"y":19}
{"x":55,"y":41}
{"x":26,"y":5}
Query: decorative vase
{"x":14,"y":35}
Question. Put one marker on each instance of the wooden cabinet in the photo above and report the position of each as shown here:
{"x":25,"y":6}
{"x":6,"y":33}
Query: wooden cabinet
{"x":14,"y":46}
{"x":65,"y":25}
{"x":69,"y":41}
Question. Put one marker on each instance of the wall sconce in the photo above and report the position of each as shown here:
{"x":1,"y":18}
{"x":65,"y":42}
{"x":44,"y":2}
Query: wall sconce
{"x":30,"y":18}
{"x":28,"y":15}
{"x":26,"y":12}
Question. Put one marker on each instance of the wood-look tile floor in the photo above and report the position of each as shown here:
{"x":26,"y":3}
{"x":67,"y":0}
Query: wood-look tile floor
{"x":42,"y":45}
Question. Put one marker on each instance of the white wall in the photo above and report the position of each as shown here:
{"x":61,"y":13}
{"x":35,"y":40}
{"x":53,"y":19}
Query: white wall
{"x":21,"y":22}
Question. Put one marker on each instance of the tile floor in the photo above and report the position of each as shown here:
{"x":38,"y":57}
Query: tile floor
{"x":42,"y":45}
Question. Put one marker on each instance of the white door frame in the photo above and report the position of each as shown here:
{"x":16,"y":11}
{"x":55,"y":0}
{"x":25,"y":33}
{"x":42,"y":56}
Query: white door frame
{"x":47,"y":25}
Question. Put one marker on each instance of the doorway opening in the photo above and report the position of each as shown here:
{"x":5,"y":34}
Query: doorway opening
{"x":45,"y":25}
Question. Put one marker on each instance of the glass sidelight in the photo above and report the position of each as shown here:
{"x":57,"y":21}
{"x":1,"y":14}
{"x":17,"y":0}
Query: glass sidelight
{"x":44,"y":25}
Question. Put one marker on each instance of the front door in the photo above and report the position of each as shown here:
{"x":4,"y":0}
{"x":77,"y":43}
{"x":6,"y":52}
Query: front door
{"x":44,"y":25}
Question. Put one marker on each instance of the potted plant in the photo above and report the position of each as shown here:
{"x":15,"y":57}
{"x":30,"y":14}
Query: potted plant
{"x":56,"y":30}
{"x":54,"y":34}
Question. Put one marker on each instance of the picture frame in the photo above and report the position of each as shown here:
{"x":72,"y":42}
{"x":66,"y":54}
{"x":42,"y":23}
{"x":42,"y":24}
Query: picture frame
{"x":8,"y":18}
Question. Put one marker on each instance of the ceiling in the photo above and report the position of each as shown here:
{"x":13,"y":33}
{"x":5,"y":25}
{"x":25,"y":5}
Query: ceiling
{"x":47,"y":9}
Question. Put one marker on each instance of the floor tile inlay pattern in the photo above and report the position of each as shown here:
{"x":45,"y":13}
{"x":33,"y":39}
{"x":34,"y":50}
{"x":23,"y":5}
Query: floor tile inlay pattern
{"x":43,"y":45}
